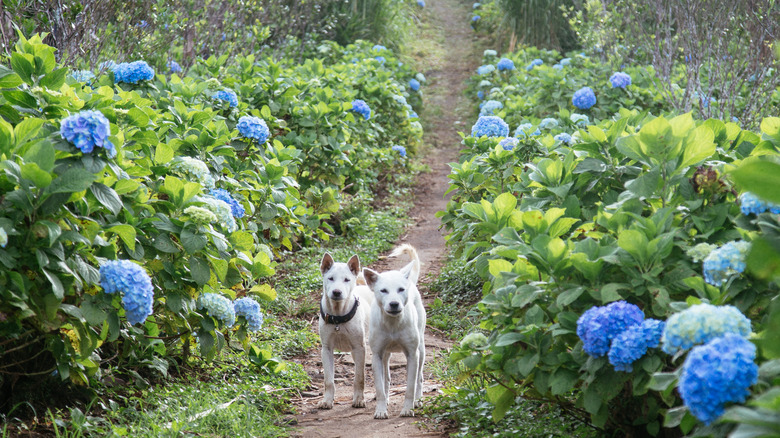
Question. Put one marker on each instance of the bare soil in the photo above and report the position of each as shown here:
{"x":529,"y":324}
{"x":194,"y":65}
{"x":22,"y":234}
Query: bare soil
{"x":447,"y":58}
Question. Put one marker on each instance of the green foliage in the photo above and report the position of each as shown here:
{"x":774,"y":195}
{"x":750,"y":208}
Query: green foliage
{"x":558,"y":228}
{"x":65,"y":212}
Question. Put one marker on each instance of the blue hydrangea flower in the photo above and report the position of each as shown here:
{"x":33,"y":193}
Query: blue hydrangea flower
{"x":250,"y":310}
{"x":412,"y":115}
{"x":227,"y":95}
{"x":218,"y":307}
{"x":505,"y":64}
{"x":489,"y":107}
{"x":508,"y":143}
{"x":85,"y":76}
{"x":361,"y":107}
{"x":534,"y":63}
{"x":475,"y":18}
{"x":223,"y":212}
{"x":381,"y":59}
{"x":489,"y":53}
{"x":750,"y":203}
{"x":253,"y":127}
{"x":557,"y":67}
{"x":491,"y":126}
{"x":174,"y":67}
{"x":378,"y":47}
{"x":133,"y":72}
{"x":3,"y":238}
{"x":481,"y":95}
{"x":400,"y":149}
{"x":565,"y":61}
{"x":193,"y":168}
{"x":548,"y":123}
{"x":563,"y":137}
{"x":700,"y":324}
{"x":627,"y":347}
{"x":107,"y":65}
{"x":579,"y":119}
{"x":235,"y":207}
{"x":620,"y":80}
{"x":421,"y":3}
{"x":584,"y":98}
{"x":598,"y":326}
{"x":397,"y":97}
{"x":134,"y":283}
{"x":716,"y":374}
{"x":476,"y":5}
{"x":725,"y":261}
{"x":414,"y":84}
{"x":88,"y":129}
{"x":653,"y":330}
{"x":523,"y":128}
{"x":485,"y":69}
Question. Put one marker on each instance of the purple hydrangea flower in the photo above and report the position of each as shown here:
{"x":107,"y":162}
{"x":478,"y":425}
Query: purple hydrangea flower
{"x":88,"y":129}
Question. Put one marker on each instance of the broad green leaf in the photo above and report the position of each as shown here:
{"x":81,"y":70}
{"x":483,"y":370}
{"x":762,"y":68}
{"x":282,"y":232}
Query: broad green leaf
{"x":264,"y":291}
{"x":504,"y":204}
{"x":760,"y":177}
{"x":242,"y":241}
{"x":124,"y":186}
{"x":22,"y":64}
{"x":502,"y":398}
{"x":9,"y":79}
{"x":200,"y":270}
{"x":107,"y":197}
{"x":73,"y":180}
{"x":497,"y":266}
{"x":56,"y":284}
{"x":699,"y":145}
{"x":27,"y":130}
{"x":635,"y":243}
{"x":34,"y":173}
{"x":55,"y":79}
{"x":126,"y":233}
{"x":41,"y":153}
{"x":163,"y":154}
{"x":6,"y":137}
{"x":192,"y":242}
{"x":508,"y":339}
{"x":21,"y":98}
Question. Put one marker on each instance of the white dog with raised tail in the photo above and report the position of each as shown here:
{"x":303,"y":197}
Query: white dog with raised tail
{"x":344,"y":314}
{"x":397,"y":325}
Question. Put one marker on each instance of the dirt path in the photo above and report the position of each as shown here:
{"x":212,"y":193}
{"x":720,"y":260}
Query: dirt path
{"x":447,"y":57}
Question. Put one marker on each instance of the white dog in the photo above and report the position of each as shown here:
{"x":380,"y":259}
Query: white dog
{"x":344,"y":314}
{"x":397,"y":325}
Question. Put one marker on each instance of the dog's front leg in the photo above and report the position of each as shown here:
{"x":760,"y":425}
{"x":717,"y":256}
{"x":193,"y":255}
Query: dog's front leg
{"x":359,"y":357}
{"x":412,"y":367}
{"x":330,"y":389}
{"x":380,"y":379}
{"x":421,"y":361}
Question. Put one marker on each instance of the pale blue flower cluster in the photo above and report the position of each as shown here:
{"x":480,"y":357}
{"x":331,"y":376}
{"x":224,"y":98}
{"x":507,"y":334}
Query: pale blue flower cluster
{"x":218,"y":307}
{"x":222,"y":210}
{"x":489,"y":53}
{"x":716,"y":374}
{"x":228,"y":96}
{"x":750,"y":203}
{"x":505,"y":64}
{"x":475,"y":18}
{"x":235,"y":207}
{"x":598,"y":326}
{"x":85,"y":76}
{"x":133,"y":72}
{"x":250,"y":310}
{"x":134,"y":283}
{"x":584,"y":98}
{"x":193,"y":168}
{"x":620,"y":80}
{"x":476,"y":5}
{"x":3,"y":238}
{"x":490,"y":107}
{"x":565,"y":61}
{"x":481,"y":95}
{"x":361,"y":107}
{"x":548,"y":123}
{"x":88,"y":129}
{"x":509,"y":143}
{"x":421,"y":3}
{"x":400,"y":150}
{"x":579,"y":119}
{"x":563,"y":137}
{"x":632,"y":343}
{"x":414,"y":84}
{"x":420,"y":77}
{"x":381,"y":59}
{"x":700,"y":252}
{"x":725,"y":261}
{"x":533,"y":64}
{"x":412,"y":115}
{"x":254,"y":128}
{"x":522,"y":130}
{"x":174,"y":67}
{"x":379,"y":47}
{"x":486,"y":69}
{"x":491,"y":126}
{"x":700,"y":324}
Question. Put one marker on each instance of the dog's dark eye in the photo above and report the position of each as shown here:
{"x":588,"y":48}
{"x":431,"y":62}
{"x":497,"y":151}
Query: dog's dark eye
{"x":330,"y":278}
{"x":401,"y":290}
{"x":346,"y":280}
{"x":384,"y":291}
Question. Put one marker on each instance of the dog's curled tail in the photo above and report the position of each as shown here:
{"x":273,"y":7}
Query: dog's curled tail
{"x":412,"y":253}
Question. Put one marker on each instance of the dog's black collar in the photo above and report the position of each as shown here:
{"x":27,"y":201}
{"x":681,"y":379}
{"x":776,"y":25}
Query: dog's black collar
{"x":342,"y":319}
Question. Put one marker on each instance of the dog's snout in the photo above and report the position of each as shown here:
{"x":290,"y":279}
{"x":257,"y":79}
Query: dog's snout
{"x":336,"y":293}
{"x":394,"y":305}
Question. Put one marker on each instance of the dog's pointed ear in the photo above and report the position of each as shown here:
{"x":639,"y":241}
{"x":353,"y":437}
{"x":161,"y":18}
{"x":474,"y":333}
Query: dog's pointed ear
{"x":371,"y":277}
{"x":326,"y":264}
{"x":407,"y":270}
{"x":354,"y":265}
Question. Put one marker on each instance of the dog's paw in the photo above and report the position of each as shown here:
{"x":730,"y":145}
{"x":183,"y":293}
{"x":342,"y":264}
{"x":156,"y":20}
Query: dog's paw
{"x":325,"y":405}
{"x":380,"y":415}
{"x":407,"y":413}
{"x":358,"y":403}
